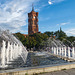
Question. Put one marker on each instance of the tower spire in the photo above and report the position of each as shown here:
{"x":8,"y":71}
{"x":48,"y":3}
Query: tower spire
{"x":32,"y":7}
{"x":60,"y":29}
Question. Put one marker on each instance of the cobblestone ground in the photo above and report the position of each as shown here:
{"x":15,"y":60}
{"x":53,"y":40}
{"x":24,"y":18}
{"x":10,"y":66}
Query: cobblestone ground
{"x":63,"y":72}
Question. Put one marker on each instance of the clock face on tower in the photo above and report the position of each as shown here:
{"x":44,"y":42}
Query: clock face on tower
{"x":34,"y":17}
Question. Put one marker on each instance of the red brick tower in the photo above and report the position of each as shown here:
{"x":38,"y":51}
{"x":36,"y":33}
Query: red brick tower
{"x":32,"y":22}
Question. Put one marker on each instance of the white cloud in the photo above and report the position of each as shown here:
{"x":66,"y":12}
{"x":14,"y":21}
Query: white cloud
{"x":50,"y":2}
{"x":13,"y":14}
{"x":70,"y":32}
{"x":54,"y":1}
{"x":65,"y":23}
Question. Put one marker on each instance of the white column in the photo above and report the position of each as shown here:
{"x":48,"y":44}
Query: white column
{"x":3,"y":53}
{"x":68,"y":52}
{"x":73,"y":52}
{"x":65,"y":51}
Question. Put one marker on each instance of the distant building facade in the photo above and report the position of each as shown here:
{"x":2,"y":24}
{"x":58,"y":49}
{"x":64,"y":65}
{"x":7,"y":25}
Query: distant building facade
{"x":32,"y":22}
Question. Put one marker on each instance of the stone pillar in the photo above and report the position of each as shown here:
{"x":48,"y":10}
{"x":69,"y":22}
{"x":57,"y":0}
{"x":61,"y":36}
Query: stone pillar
{"x":73,"y":52}
{"x":3,"y":49}
{"x":68,"y":52}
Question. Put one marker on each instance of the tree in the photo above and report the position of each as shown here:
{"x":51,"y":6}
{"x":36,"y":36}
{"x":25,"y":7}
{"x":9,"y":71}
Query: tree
{"x":60,"y":34}
{"x":50,"y":34}
{"x":20,"y":36}
{"x":71,"y":38}
{"x":39,"y":37}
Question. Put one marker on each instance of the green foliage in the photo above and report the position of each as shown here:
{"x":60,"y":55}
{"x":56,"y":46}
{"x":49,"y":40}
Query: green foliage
{"x":71,"y":38}
{"x":32,"y":40}
{"x":50,"y":34}
{"x":60,"y":35}
{"x":20,"y":37}
{"x":37,"y":40}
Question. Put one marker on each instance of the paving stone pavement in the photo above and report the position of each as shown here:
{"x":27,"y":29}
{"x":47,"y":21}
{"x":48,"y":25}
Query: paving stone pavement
{"x":63,"y":72}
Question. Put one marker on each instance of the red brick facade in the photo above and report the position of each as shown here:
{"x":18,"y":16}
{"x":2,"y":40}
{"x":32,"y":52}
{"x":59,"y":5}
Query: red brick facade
{"x":32,"y":22}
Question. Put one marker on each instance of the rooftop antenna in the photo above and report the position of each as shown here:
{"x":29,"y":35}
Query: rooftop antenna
{"x":32,"y":7}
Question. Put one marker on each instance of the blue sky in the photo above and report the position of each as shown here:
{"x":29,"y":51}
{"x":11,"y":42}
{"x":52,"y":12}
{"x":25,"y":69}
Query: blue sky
{"x":53,"y":14}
